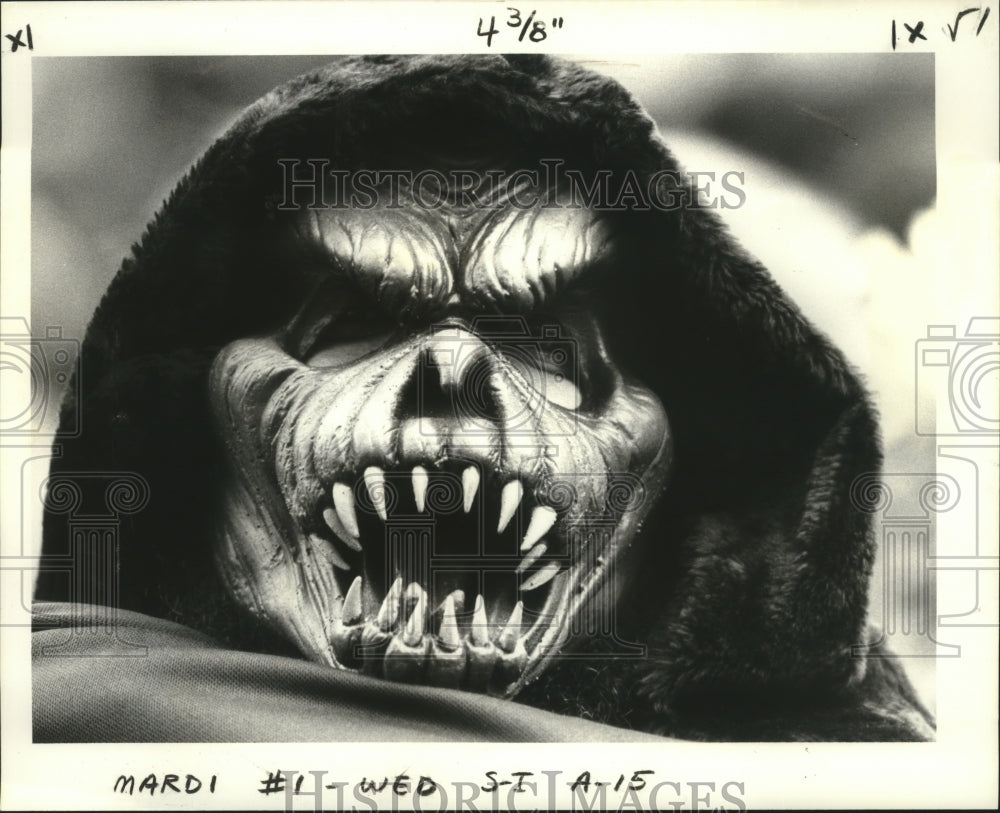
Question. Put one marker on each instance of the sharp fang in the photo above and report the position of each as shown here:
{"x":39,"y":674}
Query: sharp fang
{"x":457,"y":597}
{"x":510,"y":499}
{"x":333,"y":521}
{"x":420,"y":487}
{"x":336,"y":558}
{"x":414,"y":632}
{"x":448,"y":632}
{"x":531,"y":557}
{"x":343,"y":501}
{"x":512,"y":632}
{"x":542,"y":520}
{"x":388,"y":613}
{"x":540,"y":577}
{"x":470,"y":483}
{"x":351,"y":612}
{"x":480,"y":632}
{"x":375,"y":481}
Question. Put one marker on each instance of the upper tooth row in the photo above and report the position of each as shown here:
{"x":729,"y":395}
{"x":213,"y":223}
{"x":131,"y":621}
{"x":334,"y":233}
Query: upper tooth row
{"x":343,"y":518}
{"x":412,"y":634}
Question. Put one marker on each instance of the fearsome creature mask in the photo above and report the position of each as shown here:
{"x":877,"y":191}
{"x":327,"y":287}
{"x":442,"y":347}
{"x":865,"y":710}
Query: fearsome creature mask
{"x":423,"y":387}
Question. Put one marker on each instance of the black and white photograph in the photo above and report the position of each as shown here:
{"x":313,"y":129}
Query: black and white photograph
{"x":513,"y":423}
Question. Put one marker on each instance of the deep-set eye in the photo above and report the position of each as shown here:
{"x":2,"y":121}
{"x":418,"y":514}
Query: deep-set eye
{"x":550,"y":370}
{"x":337,"y":355}
{"x":560,"y":377}
{"x":562,"y":390}
{"x":352,"y":335}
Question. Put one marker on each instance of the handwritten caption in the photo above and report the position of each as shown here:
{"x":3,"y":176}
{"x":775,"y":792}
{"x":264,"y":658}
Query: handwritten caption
{"x":640,"y":789}
{"x":530,"y":26}
{"x":914,"y":32}
{"x":17,"y":41}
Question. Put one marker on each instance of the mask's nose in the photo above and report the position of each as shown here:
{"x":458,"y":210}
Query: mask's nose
{"x":456,"y":377}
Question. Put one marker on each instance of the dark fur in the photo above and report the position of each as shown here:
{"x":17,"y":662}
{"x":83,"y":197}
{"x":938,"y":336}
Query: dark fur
{"x":755,"y":571}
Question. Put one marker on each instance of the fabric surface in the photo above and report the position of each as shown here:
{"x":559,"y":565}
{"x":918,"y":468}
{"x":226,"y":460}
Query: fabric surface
{"x":187,"y":688}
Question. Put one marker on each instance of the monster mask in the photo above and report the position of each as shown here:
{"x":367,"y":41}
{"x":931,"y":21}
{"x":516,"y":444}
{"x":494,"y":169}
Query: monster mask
{"x":439,"y":370}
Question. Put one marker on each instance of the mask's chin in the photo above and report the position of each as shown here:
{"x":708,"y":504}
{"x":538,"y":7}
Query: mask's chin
{"x":447,"y":570}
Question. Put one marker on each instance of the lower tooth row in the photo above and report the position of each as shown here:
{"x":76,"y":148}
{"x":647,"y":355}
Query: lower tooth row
{"x":448,"y":658}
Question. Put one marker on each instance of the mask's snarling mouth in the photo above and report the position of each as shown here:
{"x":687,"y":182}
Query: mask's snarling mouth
{"x":442,"y":595}
{"x":440,"y":506}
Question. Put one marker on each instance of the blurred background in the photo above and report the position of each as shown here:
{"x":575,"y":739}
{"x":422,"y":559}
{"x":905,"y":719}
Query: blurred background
{"x":837,"y":151}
